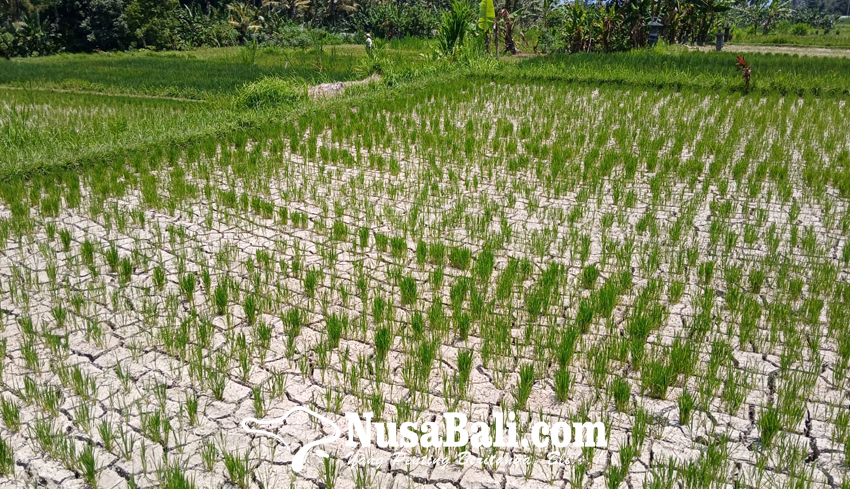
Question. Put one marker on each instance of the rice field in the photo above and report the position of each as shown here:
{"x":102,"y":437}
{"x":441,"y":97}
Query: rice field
{"x":673,"y":263}
{"x":67,"y":110}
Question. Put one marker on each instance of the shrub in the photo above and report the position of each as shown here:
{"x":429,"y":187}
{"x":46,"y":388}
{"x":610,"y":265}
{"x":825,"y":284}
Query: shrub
{"x":152,"y":23}
{"x":270,"y":92}
{"x":104,"y":25}
{"x":800,"y":29}
{"x":454,"y":28}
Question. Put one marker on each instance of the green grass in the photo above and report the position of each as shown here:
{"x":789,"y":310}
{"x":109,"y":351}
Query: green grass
{"x":200,"y":74}
{"x":676,"y":67}
{"x":839,"y":37}
{"x":67,"y":109}
{"x":49,"y":116}
{"x":39,"y":129}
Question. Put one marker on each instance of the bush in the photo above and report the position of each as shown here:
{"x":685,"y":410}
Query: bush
{"x":800,"y":29}
{"x":390,"y":22}
{"x":153,"y":23}
{"x":270,"y":92}
{"x":454,"y":28}
{"x":29,"y":36}
{"x":104,"y":25}
{"x":292,"y":36}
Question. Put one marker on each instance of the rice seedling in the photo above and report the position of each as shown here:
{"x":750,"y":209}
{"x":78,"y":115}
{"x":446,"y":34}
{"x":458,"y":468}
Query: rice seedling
{"x":329,"y":471}
{"x":7,"y":459}
{"x":524,"y":386}
{"x":10,"y":412}
{"x":238,"y":469}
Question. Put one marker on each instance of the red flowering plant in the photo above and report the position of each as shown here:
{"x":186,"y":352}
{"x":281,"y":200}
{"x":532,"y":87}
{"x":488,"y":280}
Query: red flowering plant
{"x":746,"y":72}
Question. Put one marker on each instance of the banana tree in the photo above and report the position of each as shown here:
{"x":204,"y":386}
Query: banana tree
{"x":707,"y":10}
{"x":487,"y":21}
{"x":777,"y":10}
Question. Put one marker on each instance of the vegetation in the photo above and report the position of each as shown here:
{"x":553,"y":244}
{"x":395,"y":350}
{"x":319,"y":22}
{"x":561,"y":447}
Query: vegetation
{"x":655,"y":239}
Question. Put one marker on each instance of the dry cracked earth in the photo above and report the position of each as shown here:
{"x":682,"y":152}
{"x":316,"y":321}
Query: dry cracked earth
{"x":148,"y":308}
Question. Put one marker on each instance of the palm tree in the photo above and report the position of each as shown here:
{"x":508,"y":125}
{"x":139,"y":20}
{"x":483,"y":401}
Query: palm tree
{"x":245,"y":18}
{"x":778,"y":9}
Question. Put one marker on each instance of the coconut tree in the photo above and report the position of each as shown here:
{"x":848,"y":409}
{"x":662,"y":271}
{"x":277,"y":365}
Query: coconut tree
{"x":776,"y":11}
{"x":245,"y":18}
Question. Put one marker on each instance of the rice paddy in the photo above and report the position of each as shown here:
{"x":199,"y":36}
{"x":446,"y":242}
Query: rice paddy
{"x":673,"y":263}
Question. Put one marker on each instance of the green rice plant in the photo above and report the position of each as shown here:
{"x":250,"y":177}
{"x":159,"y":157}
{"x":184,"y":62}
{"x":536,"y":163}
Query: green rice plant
{"x":339,"y":232}
{"x":381,"y":241}
{"x":270,"y":92}
{"x":686,"y":405}
{"x":107,"y":434}
{"x":128,"y":442}
{"x":364,"y":476}
{"x":65,"y":238}
{"x":83,"y":417}
{"x":7,"y":459}
{"x":621,"y":393}
{"x":640,"y":427}
{"x":88,"y":466}
{"x":209,"y":454}
{"x":156,"y":426}
{"x":220,"y":298}
{"x":563,"y":384}
{"x":656,"y":378}
{"x":259,"y":401}
{"x":756,"y":279}
{"x":460,"y":257}
{"x":159,"y":278}
{"x":769,"y":424}
{"x":363,"y":236}
{"x":525,"y":384}
{"x":408,"y":291}
{"x":464,"y":370}
{"x":251,"y":308}
{"x":329,"y":472}
{"x":173,"y":476}
{"x":112,"y":258}
{"x":398,"y":247}
{"x":383,"y":341}
{"x":188,"y":283}
{"x":734,"y":391}
{"x":311,"y":281}
{"x":588,"y":276}
{"x":335,"y":325}
{"x":10,"y":412}
{"x":421,"y":253}
{"x":484,"y":265}
{"x":682,"y":357}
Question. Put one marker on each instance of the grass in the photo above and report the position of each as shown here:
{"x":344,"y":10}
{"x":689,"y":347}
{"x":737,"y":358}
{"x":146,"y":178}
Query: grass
{"x":675,"y":68}
{"x":39,"y":129}
{"x":200,"y":74}
{"x":838,"y":37}
{"x":62,"y":109}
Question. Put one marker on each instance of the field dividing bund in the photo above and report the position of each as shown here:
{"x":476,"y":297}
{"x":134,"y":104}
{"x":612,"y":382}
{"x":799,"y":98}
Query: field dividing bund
{"x":673,"y":263}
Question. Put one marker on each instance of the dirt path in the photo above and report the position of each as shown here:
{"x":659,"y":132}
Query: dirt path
{"x":336,"y":88}
{"x":799,"y":50}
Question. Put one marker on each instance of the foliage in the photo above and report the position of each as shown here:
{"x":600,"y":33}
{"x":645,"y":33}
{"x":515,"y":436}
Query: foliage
{"x":104,"y":24}
{"x":29,"y":36}
{"x":390,"y":20}
{"x":454,"y":29}
{"x":153,"y":23}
